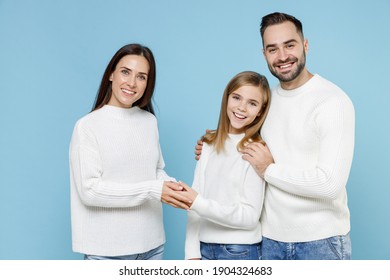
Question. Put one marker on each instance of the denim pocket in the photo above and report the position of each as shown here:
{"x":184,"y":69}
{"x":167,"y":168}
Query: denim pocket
{"x":237,"y":250}
{"x":340,"y":246}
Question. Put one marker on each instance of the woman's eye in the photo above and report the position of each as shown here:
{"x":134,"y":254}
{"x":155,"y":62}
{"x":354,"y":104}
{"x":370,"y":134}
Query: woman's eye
{"x":125,"y":72}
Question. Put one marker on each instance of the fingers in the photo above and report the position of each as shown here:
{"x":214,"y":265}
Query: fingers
{"x":176,"y":201}
{"x":173,"y":194}
{"x":198,"y":149}
{"x":173,"y":186}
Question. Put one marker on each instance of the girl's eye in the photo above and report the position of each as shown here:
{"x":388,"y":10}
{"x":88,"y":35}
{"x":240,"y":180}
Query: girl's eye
{"x":125,"y":72}
{"x":142,"y":78}
{"x":236,"y":97}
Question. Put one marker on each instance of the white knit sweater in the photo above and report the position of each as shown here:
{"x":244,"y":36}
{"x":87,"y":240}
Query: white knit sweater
{"x":116,"y":182}
{"x":229,"y":202}
{"x":310,"y":132}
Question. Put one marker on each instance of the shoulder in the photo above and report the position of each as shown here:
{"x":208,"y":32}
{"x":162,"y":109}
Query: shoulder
{"x":89,"y":119}
{"x":330,"y":94}
{"x":330,"y":89}
{"x":145,"y":116}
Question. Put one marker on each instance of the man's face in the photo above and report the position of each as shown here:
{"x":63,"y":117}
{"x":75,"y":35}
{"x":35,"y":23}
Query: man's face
{"x":285,"y":53}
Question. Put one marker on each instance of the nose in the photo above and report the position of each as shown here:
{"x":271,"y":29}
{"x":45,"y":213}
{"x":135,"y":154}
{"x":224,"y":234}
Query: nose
{"x":283,"y":55}
{"x":131,"y":81}
{"x":242,"y":106}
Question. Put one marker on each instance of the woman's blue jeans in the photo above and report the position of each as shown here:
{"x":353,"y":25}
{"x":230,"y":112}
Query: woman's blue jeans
{"x":154,"y":254}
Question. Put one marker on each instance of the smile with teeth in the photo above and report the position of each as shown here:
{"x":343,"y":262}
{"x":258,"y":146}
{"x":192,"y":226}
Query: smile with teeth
{"x":285,"y":66}
{"x":239,"y":116}
{"x":128,"y":92}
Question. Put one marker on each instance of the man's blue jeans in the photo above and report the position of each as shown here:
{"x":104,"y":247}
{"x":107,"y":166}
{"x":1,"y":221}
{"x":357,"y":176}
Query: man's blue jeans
{"x":333,"y":248}
{"x":212,"y":251}
{"x":154,"y":254}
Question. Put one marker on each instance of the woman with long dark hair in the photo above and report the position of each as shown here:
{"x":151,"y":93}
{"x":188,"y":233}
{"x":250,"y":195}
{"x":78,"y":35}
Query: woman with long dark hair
{"x":117,"y":169}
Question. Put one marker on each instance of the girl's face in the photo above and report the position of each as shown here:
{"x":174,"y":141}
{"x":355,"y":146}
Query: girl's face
{"x":244,"y":105}
{"x":129,"y":80}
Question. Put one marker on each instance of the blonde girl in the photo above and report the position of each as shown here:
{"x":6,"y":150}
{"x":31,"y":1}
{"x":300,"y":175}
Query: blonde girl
{"x":227,"y":194}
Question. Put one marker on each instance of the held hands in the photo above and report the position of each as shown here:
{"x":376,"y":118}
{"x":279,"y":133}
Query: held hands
{"x":178,"y":195}
{"x":259,"y":156}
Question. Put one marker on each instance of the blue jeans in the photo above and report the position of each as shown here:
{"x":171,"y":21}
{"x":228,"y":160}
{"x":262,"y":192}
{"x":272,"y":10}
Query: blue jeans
{"x":333,"y":248}
{"x":212,"y":251}
{"x":154,"y":254}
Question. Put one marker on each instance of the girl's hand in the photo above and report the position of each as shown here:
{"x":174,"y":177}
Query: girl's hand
{"x":188,"y":192}
{"x":173,"y":194}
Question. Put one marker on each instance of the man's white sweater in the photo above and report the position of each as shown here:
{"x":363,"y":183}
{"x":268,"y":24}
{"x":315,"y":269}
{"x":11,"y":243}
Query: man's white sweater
{"x":116,"y":176}
{"x":310,"y":132}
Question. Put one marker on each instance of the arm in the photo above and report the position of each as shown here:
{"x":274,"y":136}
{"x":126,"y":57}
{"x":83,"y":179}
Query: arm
{"x":244,"y":214}
{"x":86,"y":171}
{"x":335,"y":130}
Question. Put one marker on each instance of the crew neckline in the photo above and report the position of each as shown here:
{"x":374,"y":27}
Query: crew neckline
{"x":299,"y":90}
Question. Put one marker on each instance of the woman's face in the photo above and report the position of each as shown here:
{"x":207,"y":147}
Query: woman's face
{"x":244,"y":105}
{"x":129,"y":81}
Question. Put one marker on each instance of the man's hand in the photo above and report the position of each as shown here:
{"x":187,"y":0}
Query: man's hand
{"x":198,"y":149}
{"x":259,"y":156}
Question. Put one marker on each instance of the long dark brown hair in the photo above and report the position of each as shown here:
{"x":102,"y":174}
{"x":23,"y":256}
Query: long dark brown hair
{"x":252,"y":131}
{"x":105,"y":90}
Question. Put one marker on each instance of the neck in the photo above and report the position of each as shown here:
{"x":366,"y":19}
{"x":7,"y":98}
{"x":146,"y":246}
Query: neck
{"x":303,"y":77}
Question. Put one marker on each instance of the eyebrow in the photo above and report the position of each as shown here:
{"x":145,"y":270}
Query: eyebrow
{"x":142,"y":73}
{"x":284,"y":43}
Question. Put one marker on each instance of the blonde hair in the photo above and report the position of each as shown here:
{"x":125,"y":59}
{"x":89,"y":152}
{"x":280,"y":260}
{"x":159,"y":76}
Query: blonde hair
{"x":252,"y":131}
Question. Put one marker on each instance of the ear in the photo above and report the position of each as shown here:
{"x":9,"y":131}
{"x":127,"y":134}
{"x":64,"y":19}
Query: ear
{"x":111,"y":77}
{"x":306,"y":45}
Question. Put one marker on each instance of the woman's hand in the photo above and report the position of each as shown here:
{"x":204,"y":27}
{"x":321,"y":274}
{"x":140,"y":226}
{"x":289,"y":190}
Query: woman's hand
{"x":173,"y":194}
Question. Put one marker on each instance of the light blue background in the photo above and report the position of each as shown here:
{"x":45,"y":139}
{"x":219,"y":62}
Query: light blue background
{"x":52,"y":57}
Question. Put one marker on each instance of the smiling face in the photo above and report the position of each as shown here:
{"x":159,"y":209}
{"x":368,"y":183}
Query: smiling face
{"x":285,"y":53}
{"x":129,"y":81}
{"x":244,"y":105}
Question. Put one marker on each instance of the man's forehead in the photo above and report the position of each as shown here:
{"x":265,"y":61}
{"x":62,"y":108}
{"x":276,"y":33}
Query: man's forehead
{"x":280,"y":33}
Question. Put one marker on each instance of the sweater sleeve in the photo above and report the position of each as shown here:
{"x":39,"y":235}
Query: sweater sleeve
{"x":244,"y":214}
{"x":86,"y":172}
{"x":335,"y":122}
{"x":161,"y":174}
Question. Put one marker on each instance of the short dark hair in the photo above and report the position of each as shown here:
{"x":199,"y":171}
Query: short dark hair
{"x":105,"y":90}
{"x":277,"y":18}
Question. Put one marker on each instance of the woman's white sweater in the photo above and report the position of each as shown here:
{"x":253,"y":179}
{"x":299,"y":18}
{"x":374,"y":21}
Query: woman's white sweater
{"x":116,"y":177}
